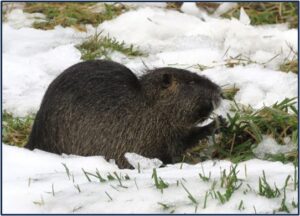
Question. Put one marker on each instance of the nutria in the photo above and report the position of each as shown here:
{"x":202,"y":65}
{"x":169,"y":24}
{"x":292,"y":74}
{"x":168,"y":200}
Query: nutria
{"x":101,"y":108}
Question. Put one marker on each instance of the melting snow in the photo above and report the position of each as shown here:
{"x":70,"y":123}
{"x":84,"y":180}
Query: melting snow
{"x":37,"y":182}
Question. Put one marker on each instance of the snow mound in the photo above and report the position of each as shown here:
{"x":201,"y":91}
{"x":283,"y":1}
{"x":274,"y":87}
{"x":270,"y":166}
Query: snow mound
{"x":140,"y":162}
{"x":160,"y":30}
{"x":268,"y":146}
{"x":258,"y":86}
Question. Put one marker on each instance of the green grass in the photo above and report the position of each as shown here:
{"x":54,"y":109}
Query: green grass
{"x":245,"y":129}
{"x":247,"y":126}
{"x":72,"y":14}
{"x":230,"y":182}
{"x":158,"y":181}
{"x":265,"y":189}
{"x":267,"y":12}
{"x":16,"y":130}
{"x":98,"y":46}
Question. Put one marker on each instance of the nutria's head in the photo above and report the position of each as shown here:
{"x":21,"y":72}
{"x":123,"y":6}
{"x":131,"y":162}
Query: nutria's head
{"x":186,"y":96}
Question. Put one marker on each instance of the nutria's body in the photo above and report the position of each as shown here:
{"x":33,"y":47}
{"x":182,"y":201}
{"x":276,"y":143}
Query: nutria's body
{"x":101,"y":108}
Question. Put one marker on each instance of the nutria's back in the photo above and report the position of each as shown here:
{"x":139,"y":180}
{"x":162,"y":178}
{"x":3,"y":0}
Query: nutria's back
{"x":101,"y":108}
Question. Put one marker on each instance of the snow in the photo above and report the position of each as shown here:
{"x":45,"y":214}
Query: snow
{"x":269,"y":146}
{"x":18,"y":19}
{"x":224,"y":7}
{"x":136,"y":195}
{"x":244,"y":18}
{"x":171,"y":39}
{"x":258,"y":86}
{"x":140,"y":162}
{"x":191,"y":9}
{"x":33,"y":58}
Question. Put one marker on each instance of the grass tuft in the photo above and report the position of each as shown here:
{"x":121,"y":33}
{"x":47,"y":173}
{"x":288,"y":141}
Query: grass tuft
{"x":73,"y":14}
{"x":230,"y":182}
{"x":265,"y":189}
{"x":267,"y":12}
{"x":159,"y":183}
{"x":247,"y":126}
{"x":203,"y":176}
{"x":290,"y":66}
{"x":119,"y":178}
{"x":16,"y":130}
{"x":230,"y":92}
{"x":98,"y":46}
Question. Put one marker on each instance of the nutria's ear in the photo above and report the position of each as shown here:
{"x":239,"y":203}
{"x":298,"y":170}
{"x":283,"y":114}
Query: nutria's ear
{"x":167,"y":80}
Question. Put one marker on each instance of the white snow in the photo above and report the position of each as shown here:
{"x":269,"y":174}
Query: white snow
{"x":33,"y":58}
{"x":258,"y":86}
{"x":140,"y":162}
{"x":244,"y":18}
{"x":28,"y":183}
{"x":224,"y":7}
{"x":269,"y":146}
{"x":18,"y":19}
{"x":191,"y":9}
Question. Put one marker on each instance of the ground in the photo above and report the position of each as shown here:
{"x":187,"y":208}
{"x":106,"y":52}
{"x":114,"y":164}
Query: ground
{"x":231,"y":52}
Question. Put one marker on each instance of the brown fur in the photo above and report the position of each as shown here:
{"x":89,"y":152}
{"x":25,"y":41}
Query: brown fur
{"x":101,"y":108}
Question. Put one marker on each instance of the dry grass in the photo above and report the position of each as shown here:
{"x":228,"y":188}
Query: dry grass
{"x":15,"y":131}
{"x":267,"y":12}
{"x":73,"y":14}
{"x":290,"y":66}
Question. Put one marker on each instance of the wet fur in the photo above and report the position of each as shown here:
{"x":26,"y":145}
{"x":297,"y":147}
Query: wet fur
{"x":101,"y":108}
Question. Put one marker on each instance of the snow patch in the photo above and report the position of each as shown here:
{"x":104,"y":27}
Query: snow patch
{"x":140,"y":162}
{"x":269,"y":146}
{"x":37,"y":182}
{"x":224,"y":7}
{"x":18,"y":19}
{"x":244,"y":18}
